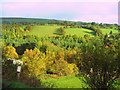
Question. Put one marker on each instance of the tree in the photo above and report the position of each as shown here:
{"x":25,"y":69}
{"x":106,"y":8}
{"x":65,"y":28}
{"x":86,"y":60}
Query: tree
{"x":98,"y":64}
{"x":34,"y":62}
{"x":98,"y":32}
{"x":28,"y":27}
{"x":60,"y":31}
{"x":56,"y":64}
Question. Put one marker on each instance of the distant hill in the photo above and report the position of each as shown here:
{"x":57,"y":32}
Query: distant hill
{"x":88,"y":25}
{"x":30,"y":20}
{"x":25,"y":20}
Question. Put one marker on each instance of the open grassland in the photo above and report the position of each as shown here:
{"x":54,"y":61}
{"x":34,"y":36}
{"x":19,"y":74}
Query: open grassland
{"x":107,"y":31}
{"x":48,"y":30}
{"x":79,"y":31}
{"x":43,"y":30}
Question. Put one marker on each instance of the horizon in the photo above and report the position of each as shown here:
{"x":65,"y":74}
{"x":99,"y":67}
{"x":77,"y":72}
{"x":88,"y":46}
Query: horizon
{"x":99,"y":12}
{"x":52,"y":19}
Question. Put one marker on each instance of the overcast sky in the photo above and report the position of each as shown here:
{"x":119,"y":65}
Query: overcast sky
{"x":97,"y":11}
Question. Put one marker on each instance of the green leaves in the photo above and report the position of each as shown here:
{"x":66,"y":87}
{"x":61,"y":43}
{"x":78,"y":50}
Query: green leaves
{"x":102,"y":59}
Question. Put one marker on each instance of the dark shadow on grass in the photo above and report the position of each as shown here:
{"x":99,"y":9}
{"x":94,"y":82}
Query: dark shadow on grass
{"x":92,"y":33}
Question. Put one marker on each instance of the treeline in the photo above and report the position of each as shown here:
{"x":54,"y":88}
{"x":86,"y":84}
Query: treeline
{"x":31,"y":21}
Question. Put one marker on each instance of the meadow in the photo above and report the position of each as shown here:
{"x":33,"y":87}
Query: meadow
{"x":48,"y":30}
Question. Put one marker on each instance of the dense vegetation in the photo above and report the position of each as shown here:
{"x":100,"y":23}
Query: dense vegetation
{"x":51,"y":52}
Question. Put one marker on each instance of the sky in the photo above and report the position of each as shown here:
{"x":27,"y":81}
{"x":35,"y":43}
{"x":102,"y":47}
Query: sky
{"x":75,"y":10}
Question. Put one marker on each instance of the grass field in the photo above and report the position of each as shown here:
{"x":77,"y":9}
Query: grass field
{"x":65,"y":82}
{"x":104,"y":31}
{"x":48,"y":30}
{"x":79,"y":31}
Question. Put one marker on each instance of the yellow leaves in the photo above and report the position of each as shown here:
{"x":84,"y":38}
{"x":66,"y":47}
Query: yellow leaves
{"x":38,"y":63}
{"x":10,"y":52}
{"x":32,"y":53}
{"x":36,"y":67}
{"x":34,"y":60}
{"x":106,"y":46}
{"x":70,"y":53}
{"x":60,"y":54}
{"x":72,"y":68}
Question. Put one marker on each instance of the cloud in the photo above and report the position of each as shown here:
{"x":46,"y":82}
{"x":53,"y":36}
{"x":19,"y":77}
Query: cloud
{"x":59,"y":0}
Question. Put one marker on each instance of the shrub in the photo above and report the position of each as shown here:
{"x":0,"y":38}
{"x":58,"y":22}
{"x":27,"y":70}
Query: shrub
{"x":100,"y":65}
{"x":60,"y":31}
{"x":9,"y":52}
{"x":57,"y":65}
{"x":34,"y":62}
{"x":72,"y":69}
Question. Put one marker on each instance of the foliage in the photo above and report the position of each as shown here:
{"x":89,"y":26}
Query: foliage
{"x":116,"y":84}
{"x":60,"y":31}
{"x":28,"y":28}
{"x":34,"y":62}
{"x":70,"y":55}
{"x":99,"y":64}
{"x":20,"y":49}
{"x":64,"y":47}
{"x":57,"y":65}
{"x":73,"y":69}
{"x":10,"y":52}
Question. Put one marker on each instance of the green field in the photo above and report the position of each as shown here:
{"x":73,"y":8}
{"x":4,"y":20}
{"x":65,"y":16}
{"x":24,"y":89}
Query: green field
{"x":48,"y":30}
{"x":45,"y":30}
{"x":79,"y":31}
{"x":65,"y":82}
{"x":104,"y":31}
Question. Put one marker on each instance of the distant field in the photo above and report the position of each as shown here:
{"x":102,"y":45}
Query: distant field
{"x":104,"y":31}
{"x":45,"y":30}
{"x":48,"y":30}
{"x":79,"y":31}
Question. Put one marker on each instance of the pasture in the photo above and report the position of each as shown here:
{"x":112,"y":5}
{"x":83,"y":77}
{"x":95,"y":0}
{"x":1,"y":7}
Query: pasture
{"x":48,"y":30}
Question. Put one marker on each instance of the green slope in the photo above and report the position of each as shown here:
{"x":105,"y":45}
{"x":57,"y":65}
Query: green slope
{"x":48,"y":30}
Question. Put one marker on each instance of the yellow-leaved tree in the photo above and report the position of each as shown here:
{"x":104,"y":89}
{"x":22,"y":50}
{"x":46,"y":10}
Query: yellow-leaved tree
{"x":9,"y":52}
{"x":34,"y":62}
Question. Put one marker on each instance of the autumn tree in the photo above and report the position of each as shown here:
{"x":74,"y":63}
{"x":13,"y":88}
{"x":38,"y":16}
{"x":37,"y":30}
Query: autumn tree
{"x":56,"y":64}
{"x":34,"y":62}
{"x":10,"y":52}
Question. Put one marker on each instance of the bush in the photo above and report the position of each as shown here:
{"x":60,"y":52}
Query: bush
{"x":99,"y":64}
{"x":9,"y":52}
{"x":72,"y":69}
{"x":34,"y":62}
{"x":60,"y":31}
{"x":56,"y":64}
